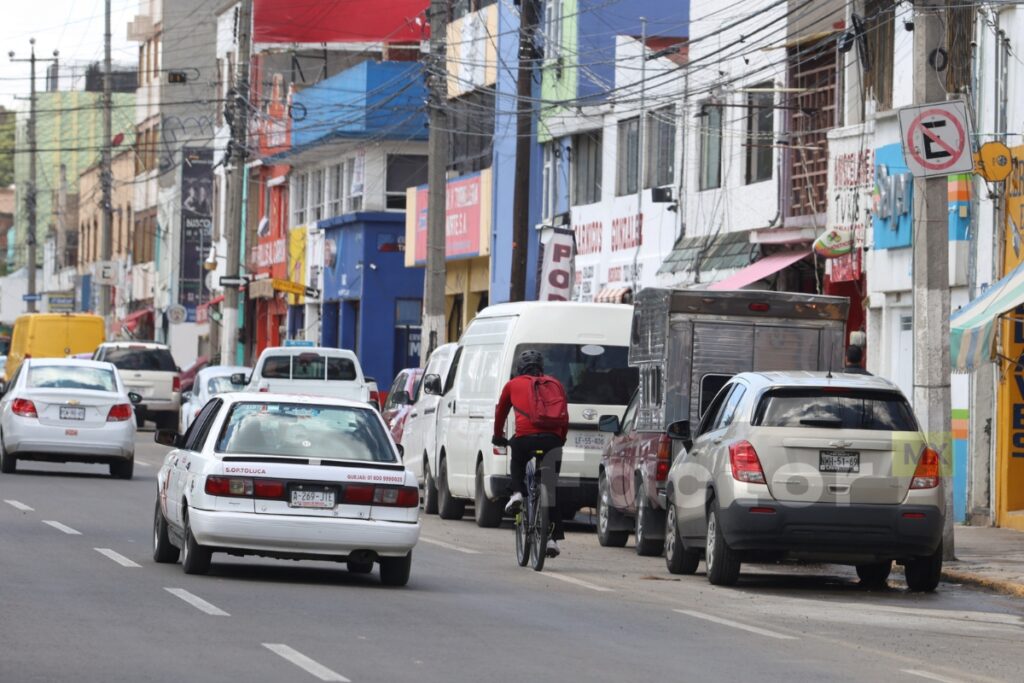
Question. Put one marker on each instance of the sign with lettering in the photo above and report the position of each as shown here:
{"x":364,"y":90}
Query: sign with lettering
{"x":196,"y":226}
{"x":557,"y":271}
{"x":937,"y":139}
{"x":465,"y":217}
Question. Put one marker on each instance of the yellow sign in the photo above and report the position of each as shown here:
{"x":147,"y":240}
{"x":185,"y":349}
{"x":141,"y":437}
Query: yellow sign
{"x":297,"y":263}
{"x":994,"y":162}
{"x":288,"y":287}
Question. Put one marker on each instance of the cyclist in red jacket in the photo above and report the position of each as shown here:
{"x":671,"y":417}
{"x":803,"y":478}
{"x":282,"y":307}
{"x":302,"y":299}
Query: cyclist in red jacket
{"x":537,"y":429}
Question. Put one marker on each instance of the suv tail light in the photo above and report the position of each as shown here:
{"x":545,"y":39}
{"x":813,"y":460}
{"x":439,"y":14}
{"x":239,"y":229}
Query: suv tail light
{"x":176,"y":383}
{"x":664,"y":458}
{"x":926,"y":474}
{"x":745,"y":464}
{"x":24,"y":407}
{"x":120,"y":413}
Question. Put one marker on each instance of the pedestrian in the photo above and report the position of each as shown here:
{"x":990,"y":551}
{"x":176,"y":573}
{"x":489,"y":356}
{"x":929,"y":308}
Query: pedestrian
{"x":854,"y":358}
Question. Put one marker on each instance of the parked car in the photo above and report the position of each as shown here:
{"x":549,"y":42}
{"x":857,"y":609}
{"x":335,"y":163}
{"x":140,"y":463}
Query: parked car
{"x":585,"y":346}
{"x":290,"y":477}
{"x":209,"y":382}
{"x":810,"y":466}
{"x":53,"y":335}
{"x":147,"y":368}
{"x":398,"y":404}
{"x":188,"y":375}
{"x":67,"y":410}
{"x":419,"y":438}
{"x":308,"y":370}
{"x":688,"y":343}
{"x":371,"y":384}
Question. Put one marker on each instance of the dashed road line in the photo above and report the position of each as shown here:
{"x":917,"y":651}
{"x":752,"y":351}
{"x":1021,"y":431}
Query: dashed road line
{"x":928,"y":675}
{"x":576,"y":582}
{"x":62,"y":527}
{"x":117,"y":557}
{"x":734,"y":624}
{"x":140,"y":463}
{"x":18,"y":505}
{"x":449,"y":546}
{"x":308,"y":665}
{"x":197,"y":602}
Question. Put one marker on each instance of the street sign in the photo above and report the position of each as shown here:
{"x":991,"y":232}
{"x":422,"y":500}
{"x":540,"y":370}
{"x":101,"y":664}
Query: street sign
{"x":937,"y":139}
{"x":303,"y":343}
{"x":289,"y":287}
{"x":233,"y":280}
{"x":31,"y":297}
{"x":105,"y":272}
{"x":176,"y":314}
{"x":312,"y":292}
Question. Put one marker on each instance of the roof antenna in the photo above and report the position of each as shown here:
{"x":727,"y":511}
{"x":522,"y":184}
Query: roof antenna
{"x":831,"y":355}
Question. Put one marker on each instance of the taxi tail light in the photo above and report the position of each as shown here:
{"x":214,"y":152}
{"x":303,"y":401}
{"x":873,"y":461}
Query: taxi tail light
{"x":402,"y":497}
{"x":238,"y":487}
{"x":358,"y":494}
{"x":120,"y":412}
{"x":176,"y":383}
{"x":271,"y":489}
{"x":745,"y":464}
{"x":24,"y":407}
{"x":664,"y":458}
{"x":926,"y":475}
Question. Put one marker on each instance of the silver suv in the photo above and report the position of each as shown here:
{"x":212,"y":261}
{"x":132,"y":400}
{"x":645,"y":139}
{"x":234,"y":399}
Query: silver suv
{"x":808,"y":466}
{"x":148,"y":369}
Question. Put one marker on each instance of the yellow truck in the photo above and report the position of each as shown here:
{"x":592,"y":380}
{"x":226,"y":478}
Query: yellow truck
{"x":53,"y":335}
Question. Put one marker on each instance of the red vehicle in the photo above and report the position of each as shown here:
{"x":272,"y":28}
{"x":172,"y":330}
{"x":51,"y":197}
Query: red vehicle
{"x":188,"y":375}
{"x":399,"y":401}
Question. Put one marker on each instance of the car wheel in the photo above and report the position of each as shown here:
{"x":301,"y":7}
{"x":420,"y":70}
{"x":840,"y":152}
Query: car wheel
{"x":394,"y":571}
{"x":722,"y":563}
{"x":487,"y":512}
{"x":8,"y":463}
{"x":195,"y":559}
{"x":923,"y":573}
{"x":874,"y":575}
{"x":359,"y":567}
{"x":645,"y":545}
{"x":164,"y":551}
{"x":122,"y":469}
{"x":429,"y":489}
{"x":607,"y":516}
{"x":447,"y":506}
{"x":678,"y":558}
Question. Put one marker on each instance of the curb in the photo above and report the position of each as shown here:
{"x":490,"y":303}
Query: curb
{"x":980,"y":580}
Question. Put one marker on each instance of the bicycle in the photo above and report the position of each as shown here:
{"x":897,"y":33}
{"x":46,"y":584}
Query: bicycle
{"x":532,"y":524}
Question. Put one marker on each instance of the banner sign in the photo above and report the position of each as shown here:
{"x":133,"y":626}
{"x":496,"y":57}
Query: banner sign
{"x":354,"y":21}
{"x":462,"y":222}
{"x":196,"y":227}
{"x":559,"y":252}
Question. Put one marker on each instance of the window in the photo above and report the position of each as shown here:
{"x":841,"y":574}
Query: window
{"x":586,"y":168}
{"x":403,"y":171}
{"x":142,"y":359}
{"x":549,"y":183}
{"x":732,"y":403}
{"x":629,"y":417}
{"x":710,"y":147}
{"x":627,"y":173}
{"x":760,"y":133}
{"x":825,"y":408}
{"x":353,"y":185}
{"x":710,"y":385}
{"x":316,"y":195}
{"x":471,"y":120}
{"x":661,"y":147}
{"x":299,"y":198}
{"x":195,"y":437}
{"x":335,"y":190}
{"x":590,"y":373}
{"x":461,"y":8}
{"x":553,"y":20}
{"x":70,"y":377}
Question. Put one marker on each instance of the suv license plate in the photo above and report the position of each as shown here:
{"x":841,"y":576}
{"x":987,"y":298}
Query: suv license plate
{"x":302,"y":498}
{"x":72,"y":413}
{"x":839,"y":461}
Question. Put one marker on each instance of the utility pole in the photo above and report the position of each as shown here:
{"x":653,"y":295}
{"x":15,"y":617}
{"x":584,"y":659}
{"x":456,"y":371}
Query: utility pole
{"x":524,"y":141}
{"x":236,"y":172}
{"x":30,"y":192}
{"x":434,"y":329}
{"x":106,"y":173}
{"x":931,"y":267}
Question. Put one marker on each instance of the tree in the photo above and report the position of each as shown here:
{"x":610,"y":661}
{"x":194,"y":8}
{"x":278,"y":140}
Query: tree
{"x":7,"y":119}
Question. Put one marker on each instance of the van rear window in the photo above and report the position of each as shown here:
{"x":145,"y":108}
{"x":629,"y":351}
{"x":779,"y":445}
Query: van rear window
{"x":143,"y":359}
{"x":835,"y":408}
{"x":308,"y":366}
{"x":590,"y":373}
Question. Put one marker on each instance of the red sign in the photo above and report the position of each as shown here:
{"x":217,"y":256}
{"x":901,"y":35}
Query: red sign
{"x":847,"y":268}
{"x":462,"y":221}
{"x":938,"y":150}
{"x":353,"y":21}
{"x":275,"y":124}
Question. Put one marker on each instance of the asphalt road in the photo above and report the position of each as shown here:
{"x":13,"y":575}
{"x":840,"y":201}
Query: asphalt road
{"x":82,"y":600}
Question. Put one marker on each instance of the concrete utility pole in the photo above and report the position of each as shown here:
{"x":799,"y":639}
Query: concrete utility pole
{"x":524,"y":141}
{"x":931,"y":267}
{"x":236,"y":171}
{"x":106,"y":173}
{"x":30,"y":191}
{"x":434,"y":277}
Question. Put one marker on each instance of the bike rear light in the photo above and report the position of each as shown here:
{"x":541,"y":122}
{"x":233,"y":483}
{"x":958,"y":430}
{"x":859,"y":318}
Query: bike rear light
{"x":120,"y":413}
{"x":24,"y":407}
{"x":745,"y":465}
{"x":926,"y":475}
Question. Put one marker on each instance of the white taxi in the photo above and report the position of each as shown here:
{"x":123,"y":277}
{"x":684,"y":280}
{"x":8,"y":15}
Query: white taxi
{"x":289,"y":477}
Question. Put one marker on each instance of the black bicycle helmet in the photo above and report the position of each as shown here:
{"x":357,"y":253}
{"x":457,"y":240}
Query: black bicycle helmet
{"x":530,"y":362}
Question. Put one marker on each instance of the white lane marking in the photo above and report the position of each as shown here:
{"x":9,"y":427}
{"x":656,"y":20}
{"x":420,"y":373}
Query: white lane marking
{"x":197,"y":602}
{"x":574,"y":581}
{"x":18,"y":505}
{"x":62,"y":527}
{"x":735,"y":624}
{"x":142,"y":464}
{"x":449,"y":546}
{"x":930,"y":676}
{"x":305,"y":663}
{"x":117,"y":557}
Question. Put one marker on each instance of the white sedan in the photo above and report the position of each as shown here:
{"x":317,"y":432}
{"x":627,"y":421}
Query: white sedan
{"x":290,"y":477}
{"x":68,"y":410}
{"x":210,"y":381}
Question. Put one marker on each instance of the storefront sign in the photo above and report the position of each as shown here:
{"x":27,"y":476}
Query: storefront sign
{"x":273,"y":253}
{"x":196,"y":226}
{"x":297,"y":262}
{"x":467,"y":217}
{"x":275,"y":125}
{"x":61,"y":302}
{"x":851,"y":179}
{"x":557,"y":271}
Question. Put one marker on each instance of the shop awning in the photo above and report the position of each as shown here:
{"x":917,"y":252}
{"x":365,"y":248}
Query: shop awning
{"x":614,"y":295}
{"x":759,"y":270}
{"x":972,"y":329}
{"x":132,"y":320}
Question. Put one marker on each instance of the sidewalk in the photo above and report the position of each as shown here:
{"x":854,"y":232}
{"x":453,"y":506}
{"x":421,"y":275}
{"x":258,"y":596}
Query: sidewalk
{"x":989,"y":558}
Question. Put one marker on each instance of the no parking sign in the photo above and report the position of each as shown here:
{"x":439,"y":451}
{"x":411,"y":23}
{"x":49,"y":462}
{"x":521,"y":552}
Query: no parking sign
{"x":937,"y":139}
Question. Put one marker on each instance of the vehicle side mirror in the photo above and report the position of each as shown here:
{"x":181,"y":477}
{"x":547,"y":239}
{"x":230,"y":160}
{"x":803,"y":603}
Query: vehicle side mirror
{"x":401,"y":450}
{"x":186,"y":396}
{"x":680,"y":431}
{"x":168,"y":437}
{"x":610,"y":424}
{"x":240,"y":379}
{"x":135,"y":398}
{"x":432,"y":385}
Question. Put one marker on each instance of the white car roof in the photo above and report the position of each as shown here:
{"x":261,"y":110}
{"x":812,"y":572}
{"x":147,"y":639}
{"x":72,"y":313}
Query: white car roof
{"x":133,"y":344}
{"x":222,"y":371}
{"x":299,"y":350}
{"x":78,"y":362}
{"x":521,"y":307}
{"x":267,"y":397}
{"x":837,"y":378}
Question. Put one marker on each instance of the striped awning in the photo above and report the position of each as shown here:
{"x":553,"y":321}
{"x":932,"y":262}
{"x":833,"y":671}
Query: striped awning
{"x":614,"y":295}
{"x":972,"y":329}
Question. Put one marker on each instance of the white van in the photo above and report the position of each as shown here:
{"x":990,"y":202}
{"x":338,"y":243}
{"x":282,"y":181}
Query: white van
{"x":585,"y":346}
{"x":307,"y":370}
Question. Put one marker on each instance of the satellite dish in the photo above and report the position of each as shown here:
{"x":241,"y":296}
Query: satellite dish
{"x":176,"y":314}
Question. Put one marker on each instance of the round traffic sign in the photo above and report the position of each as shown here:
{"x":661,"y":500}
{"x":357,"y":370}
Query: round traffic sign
{"x":936,"y":139}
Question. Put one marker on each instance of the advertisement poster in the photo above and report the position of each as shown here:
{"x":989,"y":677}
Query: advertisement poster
{"x":196,"y":227}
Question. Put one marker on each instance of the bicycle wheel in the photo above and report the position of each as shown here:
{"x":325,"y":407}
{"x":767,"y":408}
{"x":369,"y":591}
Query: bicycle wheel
{"x":522,"y":537}
{"x":540,"y":529}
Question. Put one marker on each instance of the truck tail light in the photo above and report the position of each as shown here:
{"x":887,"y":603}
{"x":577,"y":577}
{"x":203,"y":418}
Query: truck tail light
{"x":664,"y":458}
{"x":745,"y":464}
{"x":120,"y":412}
{"x":176,"y":383}
{"x":24,"y":407}
{"x":926,"y":474}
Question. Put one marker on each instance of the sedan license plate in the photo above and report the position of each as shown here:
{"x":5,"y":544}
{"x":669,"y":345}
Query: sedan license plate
{"x":847,"y":462}
{"x":590,"y":440}
{"x":312,"y":498}
{"x":72,"y":413}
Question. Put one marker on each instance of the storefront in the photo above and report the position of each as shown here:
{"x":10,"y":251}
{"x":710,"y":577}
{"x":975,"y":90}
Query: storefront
{"x":268,"y":259}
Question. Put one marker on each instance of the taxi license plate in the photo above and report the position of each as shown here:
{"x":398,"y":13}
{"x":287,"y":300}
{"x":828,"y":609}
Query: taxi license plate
{"x":839,"y":461}
{"x":72,"y":413}
{"x":590,"y":440}
{"x":312,"y":498}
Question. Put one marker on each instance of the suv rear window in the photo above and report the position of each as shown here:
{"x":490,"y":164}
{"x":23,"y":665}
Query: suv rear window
{"x":142,"y":358}
{"x":835,"y":408}
{"x":590,"y":373}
